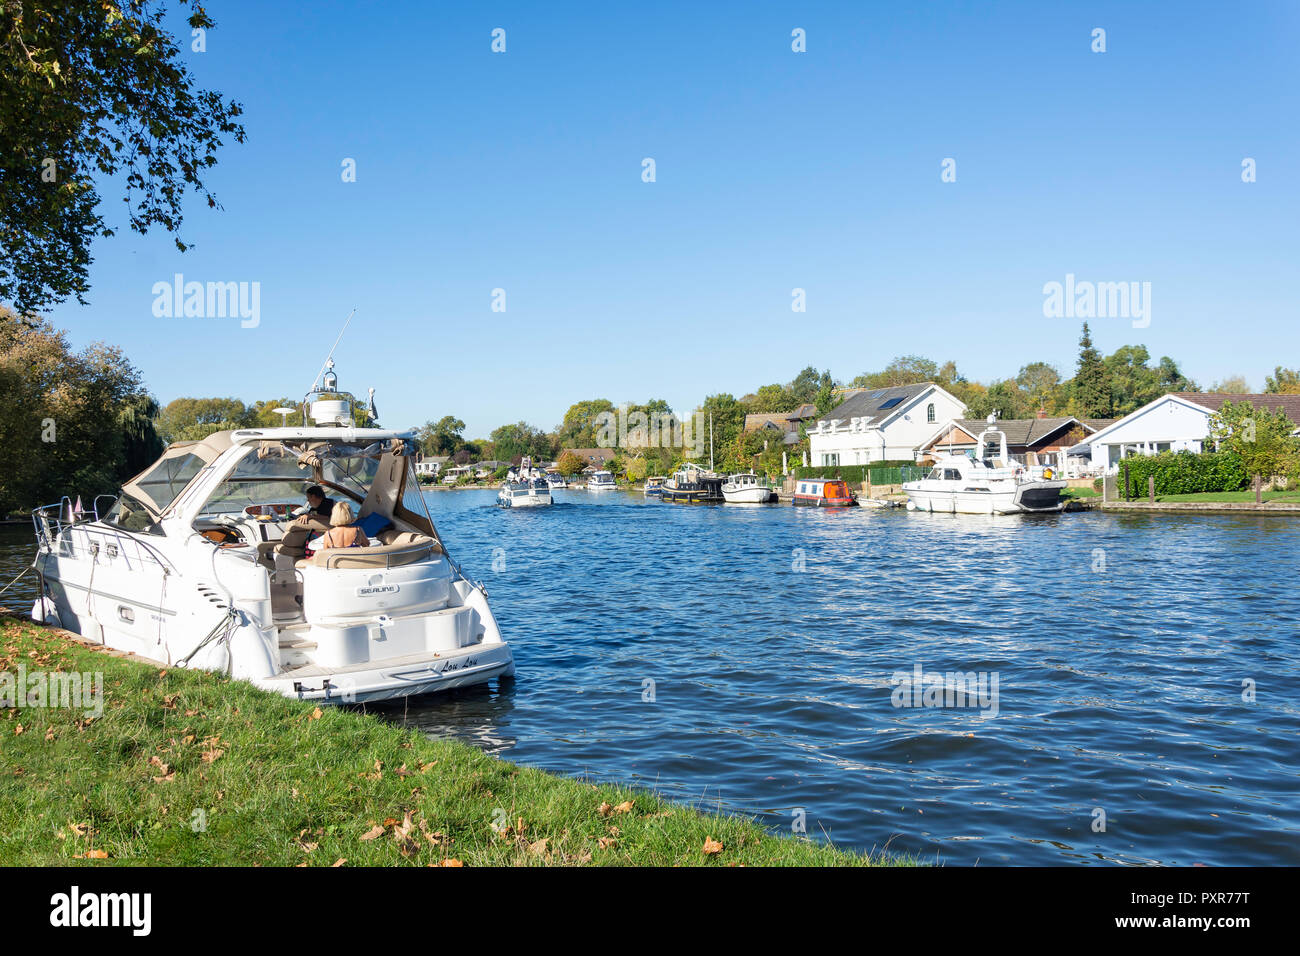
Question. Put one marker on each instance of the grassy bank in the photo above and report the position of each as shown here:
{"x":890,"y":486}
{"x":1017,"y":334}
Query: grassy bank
{"x":188,"y":768}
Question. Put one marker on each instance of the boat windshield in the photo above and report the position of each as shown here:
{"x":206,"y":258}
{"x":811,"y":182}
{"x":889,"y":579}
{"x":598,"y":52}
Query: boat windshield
{"x":282,"y":473}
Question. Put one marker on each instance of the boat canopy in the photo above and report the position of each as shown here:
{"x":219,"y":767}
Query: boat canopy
{"x":162,"y":482}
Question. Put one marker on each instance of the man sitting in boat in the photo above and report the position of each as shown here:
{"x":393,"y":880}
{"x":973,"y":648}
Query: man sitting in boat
{"x":317,"y":519}
{"x":343,"y":532}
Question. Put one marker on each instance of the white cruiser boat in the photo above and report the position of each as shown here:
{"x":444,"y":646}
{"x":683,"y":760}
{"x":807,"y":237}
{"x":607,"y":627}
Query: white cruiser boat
{"x":959,"y":484}
{"x":196,"y":564}
{"x":601,"y":481}
{"x":524,"y":493}
{"x":555,"y":481}
{"x":746,"y":488}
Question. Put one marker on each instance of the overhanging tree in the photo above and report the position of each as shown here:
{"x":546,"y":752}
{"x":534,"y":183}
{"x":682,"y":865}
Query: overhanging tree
{"x":93,"y":90}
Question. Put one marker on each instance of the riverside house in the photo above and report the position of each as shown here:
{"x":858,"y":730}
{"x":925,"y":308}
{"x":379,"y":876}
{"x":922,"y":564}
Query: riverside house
{"x":1032,"y":441}
{"x":1178,"y":421}
{"x":881,"y":424}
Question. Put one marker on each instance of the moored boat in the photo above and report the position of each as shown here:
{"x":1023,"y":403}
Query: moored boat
{"x":746,"y":488}
{"x":693,"y":485}
{"x":985,"y":484}
{"x":199,"y":563}
{"x":823,"y":493}
{"x":654,"y":486}
{"x":601,"y":481}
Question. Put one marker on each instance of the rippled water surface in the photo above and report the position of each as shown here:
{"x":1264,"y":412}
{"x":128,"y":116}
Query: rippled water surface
{"x":772,"y":634}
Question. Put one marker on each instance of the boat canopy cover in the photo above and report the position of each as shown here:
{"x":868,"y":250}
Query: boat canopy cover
{"x":162,"y":482}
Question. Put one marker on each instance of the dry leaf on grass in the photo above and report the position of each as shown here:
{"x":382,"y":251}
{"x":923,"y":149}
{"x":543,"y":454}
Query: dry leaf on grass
{"x":624,"y":807}
{"x":712,"y":847}
{"x":92,"y":855}
{"x":316,"y":714}
{"x":372,"y":833}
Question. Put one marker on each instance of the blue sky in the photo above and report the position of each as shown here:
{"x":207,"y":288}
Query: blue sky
{"x":775,"y":170}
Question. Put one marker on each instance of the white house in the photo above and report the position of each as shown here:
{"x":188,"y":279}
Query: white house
{"x":881,"y":424}
{"x":1178,"y":421}
{"x":431,"y":465}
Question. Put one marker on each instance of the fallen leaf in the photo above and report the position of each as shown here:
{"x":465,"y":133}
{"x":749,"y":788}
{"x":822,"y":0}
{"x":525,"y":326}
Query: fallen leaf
{"x":540,"y":846}
{"x":92,"y":855}
{"x":624,"y":807}
{"x":606,"y":842}
{"x":339,"y":862}
{"x":450,"y":861}
{"x":712,"y":847}
{"x":316,"y":714}
{"x":372,"y":833}
{"x":604,"y":809}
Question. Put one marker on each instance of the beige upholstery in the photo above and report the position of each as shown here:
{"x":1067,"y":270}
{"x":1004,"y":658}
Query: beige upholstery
{"x":407,"y":547}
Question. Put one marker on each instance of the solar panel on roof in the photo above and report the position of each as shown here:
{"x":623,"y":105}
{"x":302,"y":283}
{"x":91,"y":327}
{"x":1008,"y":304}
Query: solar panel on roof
{"x":891,"y":403}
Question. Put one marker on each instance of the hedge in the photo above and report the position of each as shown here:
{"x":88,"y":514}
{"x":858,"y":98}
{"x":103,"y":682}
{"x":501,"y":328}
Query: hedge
{"x":1183,"y":473}
{"x":882,"y":472}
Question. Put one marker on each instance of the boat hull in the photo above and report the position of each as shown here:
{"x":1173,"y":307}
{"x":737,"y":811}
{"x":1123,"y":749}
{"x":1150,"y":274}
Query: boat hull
{"x":1021,"y":500}
{"x":747,"y":496}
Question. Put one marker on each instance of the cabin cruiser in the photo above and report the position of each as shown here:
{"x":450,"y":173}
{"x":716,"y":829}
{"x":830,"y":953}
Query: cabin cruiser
{"x":555,"y":481}
{"x":692,"y":485}
{"x":197,"y":563}
{"x":959,"y":484}
{"x":524,"y":493}
{"x":601,"y":481}
{"x":654,"y":486}
{"x":746,"y":488}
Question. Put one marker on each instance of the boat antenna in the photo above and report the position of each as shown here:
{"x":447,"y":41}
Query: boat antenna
{"x":330,"y":358}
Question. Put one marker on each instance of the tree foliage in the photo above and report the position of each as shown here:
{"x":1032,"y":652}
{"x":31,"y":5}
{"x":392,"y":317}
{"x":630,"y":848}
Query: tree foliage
{"x":71,"y":423}
{"x":92,"y":89}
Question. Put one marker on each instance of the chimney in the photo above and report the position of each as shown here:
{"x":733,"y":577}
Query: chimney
{"x":1042,"y":412}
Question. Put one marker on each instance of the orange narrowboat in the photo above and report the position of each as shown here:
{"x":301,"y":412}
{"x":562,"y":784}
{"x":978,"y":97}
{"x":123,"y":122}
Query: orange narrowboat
{"x":824,"y":493}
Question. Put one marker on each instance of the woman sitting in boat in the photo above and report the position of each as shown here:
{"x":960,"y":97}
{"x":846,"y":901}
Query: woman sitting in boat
{"x":343,"y":532}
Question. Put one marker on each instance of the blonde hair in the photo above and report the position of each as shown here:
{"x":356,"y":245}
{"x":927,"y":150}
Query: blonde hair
{"x":341,"y":515}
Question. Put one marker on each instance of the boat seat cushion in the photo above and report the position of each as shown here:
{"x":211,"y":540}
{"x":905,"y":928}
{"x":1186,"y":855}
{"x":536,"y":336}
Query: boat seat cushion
{"x":410,"y":548}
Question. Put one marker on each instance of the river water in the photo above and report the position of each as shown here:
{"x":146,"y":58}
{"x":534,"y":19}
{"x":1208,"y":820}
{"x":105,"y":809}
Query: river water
{"x":749,"y":659}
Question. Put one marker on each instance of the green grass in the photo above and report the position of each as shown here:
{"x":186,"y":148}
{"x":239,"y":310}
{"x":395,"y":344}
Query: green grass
{"x":1081,"y":493}
{"x":187,"y":768}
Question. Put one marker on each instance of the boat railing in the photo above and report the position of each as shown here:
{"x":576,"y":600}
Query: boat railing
{"x":93,"y":538}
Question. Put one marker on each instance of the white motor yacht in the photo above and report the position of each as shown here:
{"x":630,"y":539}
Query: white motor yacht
{"x":746,"y":488}
{"x":601,"y":481}
{"x":959,"y":484}
{"x":524,"y":493}
{"x":197,"y":563}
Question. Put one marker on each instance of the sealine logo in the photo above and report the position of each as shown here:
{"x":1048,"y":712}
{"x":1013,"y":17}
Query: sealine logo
{"x":378,"y":589}
{"x":76,"y":909}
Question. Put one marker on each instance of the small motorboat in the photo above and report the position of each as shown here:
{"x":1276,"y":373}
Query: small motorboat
{"x":746,"y":488}
{"x":824,"y":493}
{"x":601,"y":481}
{"x":959,"y":484}
{"x":524,"y":493}
{"x":654,"y":486}
{"x":693,"y":485}
{"x":555,"y":481}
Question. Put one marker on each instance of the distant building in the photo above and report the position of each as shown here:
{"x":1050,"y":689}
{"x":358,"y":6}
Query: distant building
{"x":1032,"y":441}
{"x":431,"y":464}
{"x":598,"y":457}
{"x":1178,"y":421}
{"x":881,"y":424}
